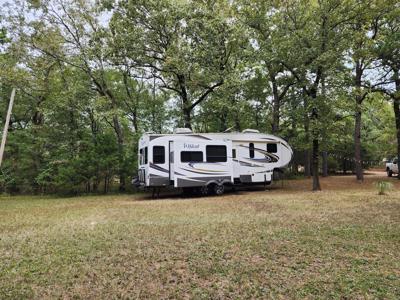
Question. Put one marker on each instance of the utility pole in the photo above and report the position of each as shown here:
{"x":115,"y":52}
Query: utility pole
{"x":5,"y":130}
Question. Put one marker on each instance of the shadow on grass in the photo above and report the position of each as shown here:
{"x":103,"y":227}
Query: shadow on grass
{"x":178,"y":194}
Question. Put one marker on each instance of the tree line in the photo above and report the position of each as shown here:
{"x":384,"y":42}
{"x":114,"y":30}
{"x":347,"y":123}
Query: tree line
{"x":92,"y":76}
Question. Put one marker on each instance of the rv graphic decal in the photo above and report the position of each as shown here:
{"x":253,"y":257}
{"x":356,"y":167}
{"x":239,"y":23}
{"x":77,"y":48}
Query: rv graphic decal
{"x":200,"y":171}
{"x":192,"y":164}
{"x":201,"y":181}
{"x":246,"y":164}
{"x":177,"y":173}
{"x":269,"y":157}
{"x":191,"y":146}
{"x":158,"y":168}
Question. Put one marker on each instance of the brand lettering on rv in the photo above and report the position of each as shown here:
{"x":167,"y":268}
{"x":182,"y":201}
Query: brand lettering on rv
{"x":191,"y":146}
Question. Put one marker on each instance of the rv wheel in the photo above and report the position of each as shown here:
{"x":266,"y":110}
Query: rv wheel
{"x":204,"y":190}
{"x":219,"y":189}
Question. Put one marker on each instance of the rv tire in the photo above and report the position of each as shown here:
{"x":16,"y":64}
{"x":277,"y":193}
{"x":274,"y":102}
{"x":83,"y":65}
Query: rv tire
{"x":219,"y":189}
{"x":389,"y":173}
{"x":204,"y":190}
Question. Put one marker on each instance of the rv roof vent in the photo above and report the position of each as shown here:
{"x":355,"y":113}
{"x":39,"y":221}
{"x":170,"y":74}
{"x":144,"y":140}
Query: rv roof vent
{"x":250,"y":131}
{"x":182,"y":130}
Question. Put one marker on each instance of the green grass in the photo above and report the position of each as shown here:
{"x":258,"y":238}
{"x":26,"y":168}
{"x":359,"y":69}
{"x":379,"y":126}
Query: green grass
{"x":260,"y":244}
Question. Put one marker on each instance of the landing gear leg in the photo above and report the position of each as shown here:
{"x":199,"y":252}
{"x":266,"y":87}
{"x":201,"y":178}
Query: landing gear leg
{"x":155,"y":193}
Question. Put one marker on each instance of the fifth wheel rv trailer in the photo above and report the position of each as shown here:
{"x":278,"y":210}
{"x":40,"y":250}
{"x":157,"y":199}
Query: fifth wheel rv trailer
{"x":207,"y":162}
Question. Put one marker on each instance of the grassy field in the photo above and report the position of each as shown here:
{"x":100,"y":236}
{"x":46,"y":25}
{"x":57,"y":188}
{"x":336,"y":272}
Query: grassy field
{"x":288,"y":242}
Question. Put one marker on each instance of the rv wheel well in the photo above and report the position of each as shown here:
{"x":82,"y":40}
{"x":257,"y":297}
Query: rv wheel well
{"x":211,"y":184}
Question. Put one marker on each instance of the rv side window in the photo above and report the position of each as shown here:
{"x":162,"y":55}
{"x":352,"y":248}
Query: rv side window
{"x":272,"y":148}
{"x":141,"y":156}
{"x":145,"y":155}
{"x":158,"y":154}
{"x":233,"y":153}
{"x":191,"y":156}
{"x":216,"y":153}
{"x":251,"y":150}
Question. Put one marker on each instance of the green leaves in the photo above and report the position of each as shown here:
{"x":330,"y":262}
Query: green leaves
{"x":188,"y":47}
{"x":92,"y":76}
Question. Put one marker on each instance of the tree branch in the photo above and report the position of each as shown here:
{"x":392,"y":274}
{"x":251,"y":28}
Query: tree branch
{"x":208,"y":91}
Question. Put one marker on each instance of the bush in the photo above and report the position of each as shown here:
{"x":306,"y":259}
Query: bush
{"x":383,"y":187}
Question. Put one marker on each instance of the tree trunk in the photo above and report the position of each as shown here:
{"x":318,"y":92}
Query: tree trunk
{"x":324,"y":153}
{"x":256,"y":116}
{"x":307,"y":160}
{"x":187,"y":119}
{"x":357,"y":125}
{"x":120,"y":140}
{"x":307,"y":163}
{"x":94,"y":130}
{"x":295,"y":167}
{"x":236,"y":117}
{"x":357,"y":143}
{"x":105,"y":185}
{"x":315,"y":148}
{"x":135,"y":99}
{"x":315,"y":141}
{"x":396,"y":108}
{"x":275,"y":104}
{"x":186,"y":105}
{"x":307,"y":152}
{"x":223,"y":118}
{"x":324,"y":164}
{"x":135,"y":120}
{"x":95,"y":185}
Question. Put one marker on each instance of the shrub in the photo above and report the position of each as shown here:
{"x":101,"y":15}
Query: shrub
{"x":383,"y":187}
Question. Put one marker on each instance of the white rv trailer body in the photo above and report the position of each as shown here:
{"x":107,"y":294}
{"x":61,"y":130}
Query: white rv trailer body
{"x":200,"y":159}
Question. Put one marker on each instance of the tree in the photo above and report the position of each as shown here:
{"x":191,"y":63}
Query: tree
{"x":78,"y":40}
{"x":364,"y":30}
{"x":388,"y":53}
{"x":314,"y":46}
{"x":265,"y":22}
{"x":189,"y":47}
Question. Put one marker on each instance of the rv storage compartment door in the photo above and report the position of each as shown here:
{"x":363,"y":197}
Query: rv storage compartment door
{"x":198,"y":162}
{"x":171,"y":160}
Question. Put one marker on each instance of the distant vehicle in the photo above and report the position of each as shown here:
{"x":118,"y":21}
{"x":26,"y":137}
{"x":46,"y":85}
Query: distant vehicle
{"x":207,"y":162}
{"x":392,"y":167}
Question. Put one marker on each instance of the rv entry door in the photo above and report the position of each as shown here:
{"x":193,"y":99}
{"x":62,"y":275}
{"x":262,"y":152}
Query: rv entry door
{"x":171,"y":161}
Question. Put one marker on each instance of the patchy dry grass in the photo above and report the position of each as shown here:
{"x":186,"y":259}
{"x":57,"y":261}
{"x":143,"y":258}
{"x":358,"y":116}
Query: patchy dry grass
{"x":283,"y":243}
